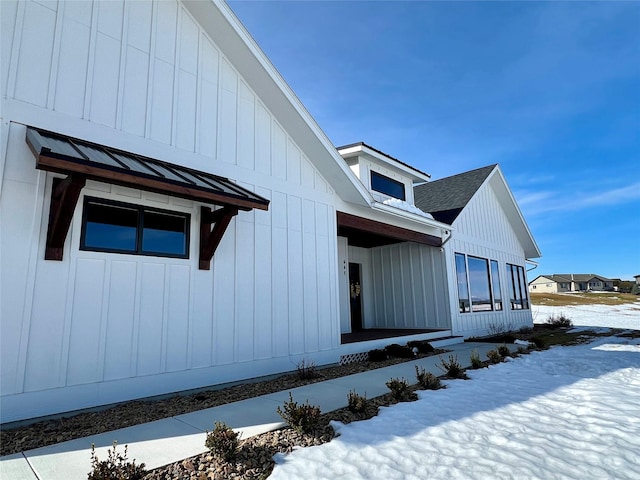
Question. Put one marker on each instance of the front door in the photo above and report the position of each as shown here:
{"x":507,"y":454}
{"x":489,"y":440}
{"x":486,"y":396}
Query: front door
{"x":355,"y":297}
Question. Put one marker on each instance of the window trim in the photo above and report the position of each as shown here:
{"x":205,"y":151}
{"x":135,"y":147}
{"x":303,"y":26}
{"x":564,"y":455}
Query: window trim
{"x":141,"y":209}
{"x":390,"y":180}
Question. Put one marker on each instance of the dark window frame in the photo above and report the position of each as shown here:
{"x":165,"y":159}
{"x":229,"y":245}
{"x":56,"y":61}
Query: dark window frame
{"x":140,"y":209}
{"x":388,"y":181}
{"x":465,"y":305}
{"x":478,"y":306}
{"x":518,"y":291}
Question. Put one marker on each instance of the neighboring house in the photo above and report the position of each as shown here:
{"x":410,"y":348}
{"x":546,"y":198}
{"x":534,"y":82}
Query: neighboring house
{"x":570,"y":282}
{"x":172,"y":217}
{"x":637,"y":278}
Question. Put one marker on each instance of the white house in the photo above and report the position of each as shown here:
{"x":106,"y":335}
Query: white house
{"x":172,"y":217}
{"x":570,"y":282}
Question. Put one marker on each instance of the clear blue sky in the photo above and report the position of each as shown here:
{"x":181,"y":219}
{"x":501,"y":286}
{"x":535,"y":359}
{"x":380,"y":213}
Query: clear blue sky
{"x":549,"y":90}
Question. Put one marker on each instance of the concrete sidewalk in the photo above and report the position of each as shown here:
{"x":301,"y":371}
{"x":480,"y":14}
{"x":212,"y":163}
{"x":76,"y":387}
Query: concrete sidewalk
{"x":172,"y":439}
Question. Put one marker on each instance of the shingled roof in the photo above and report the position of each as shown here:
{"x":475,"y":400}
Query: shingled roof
{"x":444,"y":199}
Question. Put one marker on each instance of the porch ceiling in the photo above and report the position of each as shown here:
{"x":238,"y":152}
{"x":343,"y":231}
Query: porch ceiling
{"x":367,"y":233}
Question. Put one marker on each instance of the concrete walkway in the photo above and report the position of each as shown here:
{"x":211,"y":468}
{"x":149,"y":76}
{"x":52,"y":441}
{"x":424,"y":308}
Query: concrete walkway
{"x":176,"y":438}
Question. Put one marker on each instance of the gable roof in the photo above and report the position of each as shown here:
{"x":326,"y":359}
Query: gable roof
{"x":444,"y":199}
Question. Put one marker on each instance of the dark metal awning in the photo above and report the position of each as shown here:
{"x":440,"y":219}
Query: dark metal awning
{"x":81,"y":161}
{"x":63,"y":154}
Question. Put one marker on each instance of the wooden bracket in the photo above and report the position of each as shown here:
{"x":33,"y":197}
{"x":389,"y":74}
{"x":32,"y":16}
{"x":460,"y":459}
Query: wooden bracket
{"x":210,"y":239}
{"x":64,"y":198}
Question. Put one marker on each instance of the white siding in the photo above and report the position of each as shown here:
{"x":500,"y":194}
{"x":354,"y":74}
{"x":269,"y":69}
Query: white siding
{"x":483,"y":230}
{"x":97,"y":328}
{"x":408,"y":290}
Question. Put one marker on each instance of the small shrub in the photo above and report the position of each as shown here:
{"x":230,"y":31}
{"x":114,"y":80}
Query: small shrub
{"x":452,"y":367}
{"x":357,"y":403}
{"x":399,"y":351}
{"x":538,"y":342}
{"x":526,"y":329}
{"x":522,"y":351}
{"x":377,"y":355}
{"x":559,"y":321}
{"x":494,"y":357}
{"x":302,"y":418}
{"x":427,"y":380}
{"x":307,"y":370}
{"x":223,"y":442}
{"x":400,"y":390}
{"x":423,"y":346}
{"x":475,"y":360}
{"x":115,"y":467}
{"x":504,"y":351}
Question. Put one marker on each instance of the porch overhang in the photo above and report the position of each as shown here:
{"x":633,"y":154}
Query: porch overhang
{"x":81,"y":160}
{"x":367,"y":233}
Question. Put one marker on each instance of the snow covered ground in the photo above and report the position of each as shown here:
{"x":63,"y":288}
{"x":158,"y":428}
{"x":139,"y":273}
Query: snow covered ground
{"x":565,"y":413}
{"x":614,"y":316}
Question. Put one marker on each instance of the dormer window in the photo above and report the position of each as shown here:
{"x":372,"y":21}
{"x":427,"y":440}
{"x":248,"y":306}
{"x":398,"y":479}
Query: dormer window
{"x":387,"y":186}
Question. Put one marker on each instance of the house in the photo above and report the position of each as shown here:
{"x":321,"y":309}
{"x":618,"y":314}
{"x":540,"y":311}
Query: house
{"x":637,"y":279}
{"x":172,"y":217}
{"x":570,"y":282}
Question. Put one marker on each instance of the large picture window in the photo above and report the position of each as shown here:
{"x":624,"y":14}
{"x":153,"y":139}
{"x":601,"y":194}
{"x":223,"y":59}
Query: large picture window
{"x":387,"y":185}
{"x":478,"y":284}
{"x":123,"y":228}
{"x":517,"y":287}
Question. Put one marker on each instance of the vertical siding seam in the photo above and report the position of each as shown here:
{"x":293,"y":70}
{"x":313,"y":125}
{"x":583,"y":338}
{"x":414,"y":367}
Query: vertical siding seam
{"x":32,"y":268}
{"x":198,"y":112}
{"x":165,"y":320}
{"x":68,"y":320}
{"x":135,"y":334}
{"x":124,"y":39}
{"x":151,"y":69}
{"x":104,"y":320}
{"x":173,"y":140}
{"x":16,"y":43}
{"x":93,"y":34}
{"x":55,"y":57}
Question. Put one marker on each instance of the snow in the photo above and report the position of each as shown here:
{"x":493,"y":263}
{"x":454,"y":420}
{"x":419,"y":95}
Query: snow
{"x":406,"y":206}
{"x":564,"y":413}
{"x":614,"y":316}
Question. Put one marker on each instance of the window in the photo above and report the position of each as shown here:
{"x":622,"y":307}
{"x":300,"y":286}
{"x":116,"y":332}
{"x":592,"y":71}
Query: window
{"x":495,"y":285}
{"x":517,"y":287}
{"x":123,"y":228}
{"x":387,"y":185}
{"x":463,"y":285}
{"x":478,"y":284}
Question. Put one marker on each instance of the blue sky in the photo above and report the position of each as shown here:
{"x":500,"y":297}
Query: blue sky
{"x":549,"y":90}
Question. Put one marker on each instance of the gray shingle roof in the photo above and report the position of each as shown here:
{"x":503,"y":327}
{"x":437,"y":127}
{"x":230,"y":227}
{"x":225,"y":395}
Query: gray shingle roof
{"x":445,"y":198}
{"x":574,"y":277}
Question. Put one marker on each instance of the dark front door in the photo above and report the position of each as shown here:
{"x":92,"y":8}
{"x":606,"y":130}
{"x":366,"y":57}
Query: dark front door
{"x":355,"y":297}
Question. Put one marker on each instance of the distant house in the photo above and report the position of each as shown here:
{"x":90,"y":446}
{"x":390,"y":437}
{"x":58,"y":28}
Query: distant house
{"x":570,"y":282}
{"x":637,"y":277}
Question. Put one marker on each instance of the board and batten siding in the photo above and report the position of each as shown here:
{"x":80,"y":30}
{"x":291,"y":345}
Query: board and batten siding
{"x":483,"y":230}
{"x":97,"y":327}
{"x":408,"y":290}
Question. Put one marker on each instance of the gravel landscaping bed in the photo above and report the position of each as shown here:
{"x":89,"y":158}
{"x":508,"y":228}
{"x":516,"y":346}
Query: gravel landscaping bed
{"x":141,"y":411}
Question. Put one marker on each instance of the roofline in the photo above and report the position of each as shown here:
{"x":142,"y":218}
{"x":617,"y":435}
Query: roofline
{"x":497,"y":169}
{"x":251,"y":62}
{"x":361,"y":146}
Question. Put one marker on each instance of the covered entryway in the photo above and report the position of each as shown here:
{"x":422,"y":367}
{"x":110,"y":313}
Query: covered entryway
{"x":393,"y":282}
